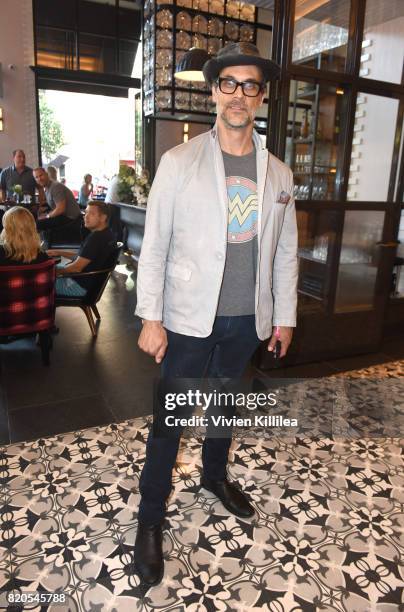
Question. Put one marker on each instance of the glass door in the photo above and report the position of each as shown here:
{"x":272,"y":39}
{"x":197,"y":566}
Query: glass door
{"x":342,"y":138}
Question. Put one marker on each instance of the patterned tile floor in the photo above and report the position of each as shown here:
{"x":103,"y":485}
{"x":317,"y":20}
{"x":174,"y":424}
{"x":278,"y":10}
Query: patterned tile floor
{"x":328,"y":532}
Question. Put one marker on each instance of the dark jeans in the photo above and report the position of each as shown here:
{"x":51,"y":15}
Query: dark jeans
{"x":225,"y":353}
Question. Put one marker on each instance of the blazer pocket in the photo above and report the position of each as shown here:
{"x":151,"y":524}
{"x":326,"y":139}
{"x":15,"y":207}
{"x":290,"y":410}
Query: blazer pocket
{"x":178,"y":271}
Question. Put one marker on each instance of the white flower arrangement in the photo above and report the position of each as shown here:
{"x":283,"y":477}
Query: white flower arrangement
{"x":133,"y":187}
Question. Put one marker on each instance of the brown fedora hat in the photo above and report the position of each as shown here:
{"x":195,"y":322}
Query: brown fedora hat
{"x":239,"y":54}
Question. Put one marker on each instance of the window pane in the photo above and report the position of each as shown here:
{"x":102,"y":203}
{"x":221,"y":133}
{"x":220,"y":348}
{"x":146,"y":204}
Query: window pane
{"x":321,"y":33}
{"x":127,"y":55}
{"x":317,"y":230}
{"x":56,"y":48}
{"x":383,"y":40}
{"x":97,"y":53}
{"x":313,"y":140}
{"x":359,"y":260}
{"x":372,"y":148}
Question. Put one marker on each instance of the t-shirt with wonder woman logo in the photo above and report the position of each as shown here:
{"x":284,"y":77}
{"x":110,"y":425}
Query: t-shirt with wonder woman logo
{"x":237,"y":295}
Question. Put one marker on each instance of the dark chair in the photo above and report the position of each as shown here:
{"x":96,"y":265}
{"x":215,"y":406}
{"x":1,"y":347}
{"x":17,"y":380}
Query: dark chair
{"x":27,"y":303}
{"x":88,"y":302}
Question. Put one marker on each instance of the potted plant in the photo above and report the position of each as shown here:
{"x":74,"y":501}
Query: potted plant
{"x":133,"y":187}
{"x":133,"y":191}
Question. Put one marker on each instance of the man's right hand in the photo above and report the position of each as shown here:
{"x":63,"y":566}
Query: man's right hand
{"x":153,"y":340}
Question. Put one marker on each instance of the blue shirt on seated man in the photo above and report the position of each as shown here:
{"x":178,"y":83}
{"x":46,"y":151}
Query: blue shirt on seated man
{"x":92,"y":255}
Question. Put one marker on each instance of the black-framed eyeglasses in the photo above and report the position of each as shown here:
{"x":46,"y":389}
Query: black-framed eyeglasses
{"x":228,"y":85}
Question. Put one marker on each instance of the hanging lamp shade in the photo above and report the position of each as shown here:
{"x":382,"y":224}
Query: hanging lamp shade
{"x":189,"y":68}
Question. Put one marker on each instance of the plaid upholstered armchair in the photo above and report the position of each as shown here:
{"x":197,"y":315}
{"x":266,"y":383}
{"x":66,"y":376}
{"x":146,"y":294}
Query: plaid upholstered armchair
{"x":27,"y":302}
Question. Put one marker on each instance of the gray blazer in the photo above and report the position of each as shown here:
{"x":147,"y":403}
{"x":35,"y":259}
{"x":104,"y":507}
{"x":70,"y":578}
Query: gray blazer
{"x":183,"y":253}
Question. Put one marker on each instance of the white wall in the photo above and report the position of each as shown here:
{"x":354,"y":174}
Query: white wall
{"x":18,"y":102}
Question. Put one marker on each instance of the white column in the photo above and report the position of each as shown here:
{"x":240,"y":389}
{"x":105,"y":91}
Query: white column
{"x":18,"y":83}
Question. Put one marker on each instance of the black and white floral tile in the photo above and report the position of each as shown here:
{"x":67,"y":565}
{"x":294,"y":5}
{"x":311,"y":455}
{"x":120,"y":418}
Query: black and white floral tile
{"x":328,"y":534}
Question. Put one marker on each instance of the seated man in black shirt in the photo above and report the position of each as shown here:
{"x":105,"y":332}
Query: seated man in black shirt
{"x":92,"y":255}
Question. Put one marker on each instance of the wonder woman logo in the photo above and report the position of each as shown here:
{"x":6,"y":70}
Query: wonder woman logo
{"x":243,"y":209}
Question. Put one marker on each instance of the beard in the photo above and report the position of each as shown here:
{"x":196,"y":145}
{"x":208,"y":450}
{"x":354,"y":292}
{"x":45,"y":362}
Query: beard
{"x":244,"y":119}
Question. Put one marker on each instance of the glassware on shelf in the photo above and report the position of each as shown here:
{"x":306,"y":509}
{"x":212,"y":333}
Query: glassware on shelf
{"x":199,"y":41}
{"x":163,"y":76}
{"x":164,"y":39}
{"x":216,"y":6}
{"x":164,"y":1}
{"x":183,"y":40}
{"x":247,"y":12}
{"x":214,"y":45}
{"x":195,"y":4}
{"x":181,"y":100}
{"x":231,"y":30}
{"x":163,"y":99}
{"x":164,"y":18}
{"x":204,"y":5}
{"x":215,"y":27}
{"x":198,"y":102}
{"x":200,"y":24}
{"x":233,"y":9}
{"x":163,"y":58}
{"x":183,"y":21}
{"x":185,"y":3}
{"x":247,"y":33}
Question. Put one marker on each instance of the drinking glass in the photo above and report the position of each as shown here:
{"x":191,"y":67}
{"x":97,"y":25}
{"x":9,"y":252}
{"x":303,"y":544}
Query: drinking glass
{"x":164,"y":39}
{"x":231,"y":30}
{"x":199,"y":41}
{"x":246,"y":33}
{"x":183,"y":21}
{"x":198,"y":102}
{"x":181,"y":100}
{"x":215,"y":27}
{"x":164,"y":18}
{"x":163,"y":76}
{"x":247,"y":12}
{"x":163,"y":58}
{"x":183,"y":40}
{"x":163,"y":99}
{"x":233,"y":9}
{"x":200,"y":24}
{"x":214,"y":45}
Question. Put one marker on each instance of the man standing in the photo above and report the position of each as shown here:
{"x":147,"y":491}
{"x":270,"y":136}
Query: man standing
{"x":18,"y":174}
{"x":217,"y":270}
{"x":61,"y":201}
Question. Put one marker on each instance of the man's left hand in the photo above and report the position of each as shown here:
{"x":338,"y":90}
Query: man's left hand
{"x":285,"y":338}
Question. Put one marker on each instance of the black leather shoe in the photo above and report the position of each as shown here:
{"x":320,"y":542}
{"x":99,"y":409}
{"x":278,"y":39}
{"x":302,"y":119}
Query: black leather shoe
{"x":148,"y":554}
{"x":234,"y":500}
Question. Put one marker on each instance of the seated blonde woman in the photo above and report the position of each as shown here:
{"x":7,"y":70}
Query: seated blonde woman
{"x":19,"y":241}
